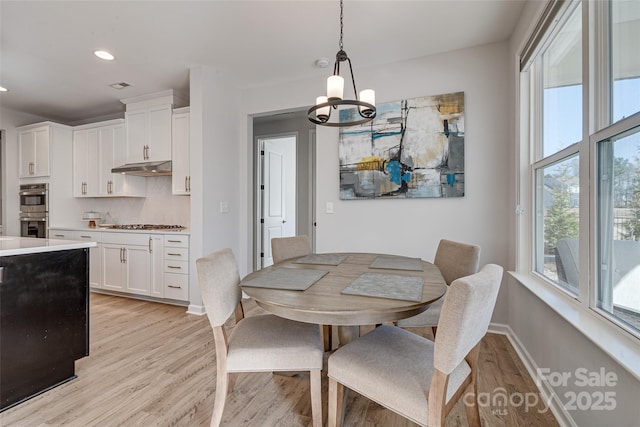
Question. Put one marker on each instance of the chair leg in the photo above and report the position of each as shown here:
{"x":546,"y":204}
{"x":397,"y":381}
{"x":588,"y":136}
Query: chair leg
{"x":231,"y":381}
{"x":336,"y":397}
{"x":473,"y":413}
{"x":221,"y":397}
{"x":316,"y":397}
{"x":327,"y":335}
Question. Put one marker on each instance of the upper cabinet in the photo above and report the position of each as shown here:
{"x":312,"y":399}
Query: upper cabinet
{"x":148,"y":127}
{"x":97,"y":148}
{"x":34,"y":145}
{"x":181,"y":177}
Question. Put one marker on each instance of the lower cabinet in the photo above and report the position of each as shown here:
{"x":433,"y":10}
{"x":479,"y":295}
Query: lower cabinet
{"x":126,"y":261}
{"x":155,"y":265}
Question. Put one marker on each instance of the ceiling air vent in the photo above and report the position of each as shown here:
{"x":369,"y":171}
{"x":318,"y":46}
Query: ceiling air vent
{"x":120,"y":85}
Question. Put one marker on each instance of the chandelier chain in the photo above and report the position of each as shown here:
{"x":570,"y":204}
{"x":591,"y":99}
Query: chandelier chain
{"x":341,"y":16}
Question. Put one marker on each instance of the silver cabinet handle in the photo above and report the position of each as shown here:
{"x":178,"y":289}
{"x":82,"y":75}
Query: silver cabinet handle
{"x":59,"y":235}
{"x":31,"y":168}
{"x":121,"y":255}
{"x":174,"y":241}
{"x":174,"y":287}
{"x":172,"y":254}
{"x":124,"y":255}
{"x":175,"y":267}
{"x":85,"y":237}
{"x":150,"y":248}
{"x":1,"y":274}
{"x":189,"y":186}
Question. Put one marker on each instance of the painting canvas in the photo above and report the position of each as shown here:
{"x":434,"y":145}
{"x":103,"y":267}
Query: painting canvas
{"x":413,"y":148}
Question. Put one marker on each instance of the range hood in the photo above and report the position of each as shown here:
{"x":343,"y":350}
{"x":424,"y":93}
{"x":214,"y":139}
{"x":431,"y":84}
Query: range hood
{"x":145,"y":169}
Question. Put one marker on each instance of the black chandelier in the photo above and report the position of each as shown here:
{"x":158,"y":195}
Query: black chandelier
{"x":321,"y":112}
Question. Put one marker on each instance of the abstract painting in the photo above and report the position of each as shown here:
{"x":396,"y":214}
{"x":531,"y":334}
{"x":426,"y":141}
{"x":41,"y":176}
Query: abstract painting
{"x":413,"y":148}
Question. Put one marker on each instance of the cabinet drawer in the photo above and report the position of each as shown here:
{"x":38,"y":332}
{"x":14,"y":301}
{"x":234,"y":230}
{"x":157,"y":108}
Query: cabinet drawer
{"x":86,"y":236}
{"x":180,"y":267}
{"x":125,"y":238}
{"x":176,"y":254}
{"x":176,"y":286}
{"x":176,"y":241}
{"x":61,"y":234}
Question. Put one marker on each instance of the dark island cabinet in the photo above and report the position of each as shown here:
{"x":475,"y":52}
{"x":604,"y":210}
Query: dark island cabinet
{"x":44,"y":321}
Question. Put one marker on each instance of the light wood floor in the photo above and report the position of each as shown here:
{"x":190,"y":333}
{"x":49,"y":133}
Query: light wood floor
{"x":152,"y":364}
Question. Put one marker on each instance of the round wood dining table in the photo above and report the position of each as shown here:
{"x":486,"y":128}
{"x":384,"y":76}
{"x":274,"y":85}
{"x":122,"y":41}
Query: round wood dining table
{"x":324,"y":303}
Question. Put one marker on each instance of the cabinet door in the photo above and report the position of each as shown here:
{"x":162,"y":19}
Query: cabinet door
{"x":137,"y":136}
{"x":42,"y":166}
{"x":180,"y":179}
{"x":159,"y":136}
{"x":27,"y":147}
{"x":137,"y":262}
{"x":86,"y":175}
{"x":113,"y":267}
{"x":157,"y":277}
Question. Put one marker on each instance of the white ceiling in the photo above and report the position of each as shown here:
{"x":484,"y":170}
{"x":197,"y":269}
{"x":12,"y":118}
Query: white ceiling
{"x":46,"y":47}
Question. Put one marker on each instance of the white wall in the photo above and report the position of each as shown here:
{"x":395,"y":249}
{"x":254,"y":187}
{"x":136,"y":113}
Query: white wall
{"x":548,"y":340}
{"x":413,"y":227}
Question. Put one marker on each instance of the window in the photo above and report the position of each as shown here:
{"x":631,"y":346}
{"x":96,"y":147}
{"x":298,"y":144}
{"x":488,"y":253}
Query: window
{"x":580,"y":154}
{"x":557,"y":181}
{"x":619,"y":227}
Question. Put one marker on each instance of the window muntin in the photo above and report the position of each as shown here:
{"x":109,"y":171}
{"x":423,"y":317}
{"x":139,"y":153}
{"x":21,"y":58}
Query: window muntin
{"x":618,"y":201}
{"x":557,"y":223}
{"x":625,"y":60}
{"x":562,"y":87}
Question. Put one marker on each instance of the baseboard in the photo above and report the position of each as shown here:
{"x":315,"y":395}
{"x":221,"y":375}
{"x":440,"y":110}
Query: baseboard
{"x":198,"y":310}
{"x":550,"y":397}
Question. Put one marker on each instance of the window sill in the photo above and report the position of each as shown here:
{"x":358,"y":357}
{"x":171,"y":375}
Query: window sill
{"x":623,"y":347}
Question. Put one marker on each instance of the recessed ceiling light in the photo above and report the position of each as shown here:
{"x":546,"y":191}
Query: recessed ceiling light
{"x":103,"y":54}
{"x":3,"y":89}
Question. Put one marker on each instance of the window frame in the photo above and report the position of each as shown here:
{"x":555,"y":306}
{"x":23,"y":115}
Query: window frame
{"x":602,"y":328}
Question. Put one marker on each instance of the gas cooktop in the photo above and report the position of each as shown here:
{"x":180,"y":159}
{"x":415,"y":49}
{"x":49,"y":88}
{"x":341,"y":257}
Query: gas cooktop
{"x":145,"y":227}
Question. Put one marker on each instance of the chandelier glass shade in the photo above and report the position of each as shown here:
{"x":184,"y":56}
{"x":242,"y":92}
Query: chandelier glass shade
{"x":365,"y":102}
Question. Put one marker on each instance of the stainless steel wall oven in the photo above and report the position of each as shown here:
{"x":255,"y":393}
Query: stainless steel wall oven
{"x":34,"y":210}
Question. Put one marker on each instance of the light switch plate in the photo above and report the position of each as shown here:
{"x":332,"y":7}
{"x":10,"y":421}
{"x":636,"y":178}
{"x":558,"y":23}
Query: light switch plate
{"x":224,"y":207}
{"x":329,"y":208}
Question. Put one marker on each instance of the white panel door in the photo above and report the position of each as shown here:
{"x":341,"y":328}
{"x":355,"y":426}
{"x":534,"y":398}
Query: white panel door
{"x":279,"y":195}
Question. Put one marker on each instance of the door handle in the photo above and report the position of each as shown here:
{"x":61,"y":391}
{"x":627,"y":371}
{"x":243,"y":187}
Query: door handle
{"x":284,"y":221}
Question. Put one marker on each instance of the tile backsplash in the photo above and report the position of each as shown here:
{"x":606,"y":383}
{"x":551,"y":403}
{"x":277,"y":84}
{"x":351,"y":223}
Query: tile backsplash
{"x":159,"y":207}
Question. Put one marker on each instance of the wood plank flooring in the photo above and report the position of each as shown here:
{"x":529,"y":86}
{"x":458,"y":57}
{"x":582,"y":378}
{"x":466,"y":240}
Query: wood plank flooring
{"x":152,"y":364}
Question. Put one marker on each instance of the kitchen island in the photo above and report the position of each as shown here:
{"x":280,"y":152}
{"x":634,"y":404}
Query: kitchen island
{"x":44,"y":314}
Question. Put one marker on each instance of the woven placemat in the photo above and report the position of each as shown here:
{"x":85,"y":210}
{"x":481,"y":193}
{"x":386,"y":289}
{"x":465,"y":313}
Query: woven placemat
{"x":323,"y":259}
{"x":392,"y":286}
{"x":293,"y":279}
{"x":393,"y":263}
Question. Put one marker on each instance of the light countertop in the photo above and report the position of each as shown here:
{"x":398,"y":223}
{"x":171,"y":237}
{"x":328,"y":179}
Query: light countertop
{"x":28,"y":245}
{"x":184,"y":231}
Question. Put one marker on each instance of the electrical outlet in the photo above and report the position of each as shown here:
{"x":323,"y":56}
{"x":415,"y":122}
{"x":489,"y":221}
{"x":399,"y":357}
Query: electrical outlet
{"x":224,"y":207}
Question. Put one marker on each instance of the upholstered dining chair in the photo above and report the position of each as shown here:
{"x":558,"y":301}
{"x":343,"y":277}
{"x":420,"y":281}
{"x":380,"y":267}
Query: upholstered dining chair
{"x":289,"y":247}
{"x":413,"y":376}
{"x":264,"y":343}
{"x":455,"y":260}
{"x":283,"y":248}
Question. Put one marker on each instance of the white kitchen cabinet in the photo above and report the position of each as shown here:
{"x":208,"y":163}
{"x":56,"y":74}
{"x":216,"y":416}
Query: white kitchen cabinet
{"x":176,"y":267}
{"x":148,"y":133}
{"x":95,"y":256}
{"x":126,"y":262}
{"x":181,"y":176}
{"x":86,"y":163}
{"x":97,"y":148}
{"x":34,"y":142}
{"x":156,"y":246}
